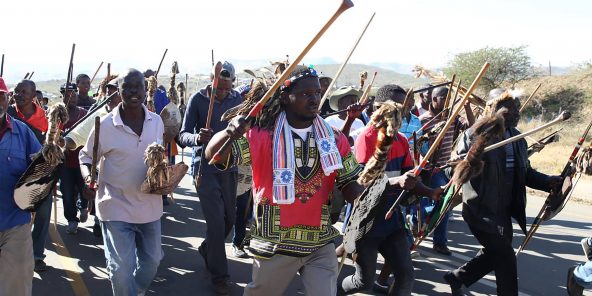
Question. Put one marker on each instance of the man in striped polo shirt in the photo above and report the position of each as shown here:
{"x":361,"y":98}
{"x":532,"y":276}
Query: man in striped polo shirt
{"x":435,"y":177}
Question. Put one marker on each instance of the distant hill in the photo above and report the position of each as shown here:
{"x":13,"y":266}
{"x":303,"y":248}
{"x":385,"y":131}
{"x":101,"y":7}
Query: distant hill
{"x":571,"y":92}
{"x":349,"y":76}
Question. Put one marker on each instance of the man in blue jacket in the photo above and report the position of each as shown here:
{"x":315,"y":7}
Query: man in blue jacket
{"x":17,"y":143}
{"x":217,"y":190}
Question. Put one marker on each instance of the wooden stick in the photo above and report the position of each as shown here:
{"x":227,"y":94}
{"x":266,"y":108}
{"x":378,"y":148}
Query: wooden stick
{"x":328,"y":92}
{"x":2,"y":66}
{"x":345,"y":4}
{"x":212,"y":58}
{"x":31,"y":76}
{"x":448,"y":94}
{"x":217,"y":71}
{"x":530,"y":97}
{"x":95,"y":154}
{"x":431,"y":87}
{"x":159,"y":65}
{"x":436,"y":144}
{"x":99,"y":68}
{"x":108,"y":69}
{"x":455,"y":97}
{"x":186,"y":88}
{"x":26,"y":76}
{"x":562,"y":117}
{"x":364,"y":97}
{"x":70,"y":67}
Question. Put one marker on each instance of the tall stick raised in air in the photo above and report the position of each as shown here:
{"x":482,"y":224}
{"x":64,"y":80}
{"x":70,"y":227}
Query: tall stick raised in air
{"x":345,"y":4}
{"x":530,"y":97}
{"x":159,"y":65}
{"x":96,"y":72}
{"x":436,"y":144}
{"x":330,"y":87}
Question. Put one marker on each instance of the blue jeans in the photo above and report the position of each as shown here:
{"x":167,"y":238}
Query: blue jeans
{"x":71,"y":185}
{"x":427,"y":205}
{"x":133,"y":253}
{"x":240,"y":225}
{"x":583,"y":275}
{"x":41,"y":228}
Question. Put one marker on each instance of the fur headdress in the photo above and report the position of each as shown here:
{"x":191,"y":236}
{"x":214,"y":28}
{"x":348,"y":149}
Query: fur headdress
{"x":491,"y":106}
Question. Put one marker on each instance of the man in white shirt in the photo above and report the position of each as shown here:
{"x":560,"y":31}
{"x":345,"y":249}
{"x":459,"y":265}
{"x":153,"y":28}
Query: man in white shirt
{"x":130,"y":219}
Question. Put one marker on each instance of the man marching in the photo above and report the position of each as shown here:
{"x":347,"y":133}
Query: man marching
{"x":130,"y":219}
{"x":17,"y":143}
{"x":217,"y":190}
{"x":491,"y":199}
{"x":308,"y":158}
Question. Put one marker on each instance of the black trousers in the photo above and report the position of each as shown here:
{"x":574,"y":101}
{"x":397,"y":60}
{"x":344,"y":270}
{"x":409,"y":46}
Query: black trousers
{"x":496,"y":255}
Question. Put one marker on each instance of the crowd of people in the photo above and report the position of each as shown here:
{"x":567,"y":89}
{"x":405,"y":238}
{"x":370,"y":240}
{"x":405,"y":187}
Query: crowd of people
{"x":290,"y":175}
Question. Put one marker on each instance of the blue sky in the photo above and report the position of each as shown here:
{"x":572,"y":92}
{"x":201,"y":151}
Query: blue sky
{"x":37,"y":35}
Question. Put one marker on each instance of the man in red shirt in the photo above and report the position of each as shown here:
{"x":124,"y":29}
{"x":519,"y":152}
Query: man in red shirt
{"x":71,"y":182}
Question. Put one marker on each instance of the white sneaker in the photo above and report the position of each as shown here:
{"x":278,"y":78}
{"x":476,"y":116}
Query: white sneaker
{"x":72,"y":227}
{"x":587,"y":248}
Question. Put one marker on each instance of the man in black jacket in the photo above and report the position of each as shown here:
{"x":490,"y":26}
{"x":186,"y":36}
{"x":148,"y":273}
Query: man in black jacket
{"x":491,"y":199}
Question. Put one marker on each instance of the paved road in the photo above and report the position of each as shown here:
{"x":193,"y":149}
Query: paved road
{"x":77,"y":265}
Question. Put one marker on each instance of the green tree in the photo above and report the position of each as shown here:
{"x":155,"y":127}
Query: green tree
{"x":509,"y":65}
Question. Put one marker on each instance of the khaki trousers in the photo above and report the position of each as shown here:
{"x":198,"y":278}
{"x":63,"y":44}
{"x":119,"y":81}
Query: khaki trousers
{"x":317,"y":270}
{"x":16,"y":261}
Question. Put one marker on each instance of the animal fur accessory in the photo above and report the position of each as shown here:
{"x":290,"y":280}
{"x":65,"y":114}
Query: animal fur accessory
{"x":52,"y":153}
{"x":492,"y":105}
{"x":161,"y":177}
{"x":387,"y":120}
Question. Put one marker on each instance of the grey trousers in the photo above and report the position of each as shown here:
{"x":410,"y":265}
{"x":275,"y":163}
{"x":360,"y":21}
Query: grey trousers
{"x":318,"y":272}
{"x":217,"y":196}
{"x":16,"y":261}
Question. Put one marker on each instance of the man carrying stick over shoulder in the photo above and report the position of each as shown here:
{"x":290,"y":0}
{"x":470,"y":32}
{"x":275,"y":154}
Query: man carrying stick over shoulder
{"x":491,"y":199}
{"x":436,"y":177}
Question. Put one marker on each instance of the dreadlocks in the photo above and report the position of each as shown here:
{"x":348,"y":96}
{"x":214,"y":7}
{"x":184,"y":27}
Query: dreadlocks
{"x":273,"y":107}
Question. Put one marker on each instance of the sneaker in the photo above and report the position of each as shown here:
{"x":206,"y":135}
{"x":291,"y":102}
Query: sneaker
{"x":455,"y":284}
{"x":587,"y":248}
{"x":72,"y":227}
{"x":97,"y":231}
{"x":239,"y":252}
{"x":221,"y":288}
{"x":83,"y":215}
{"x":380,"y":288}
{"x":573,"y":288}
{"x":442,"y":249}
{"x":40,"y":265}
